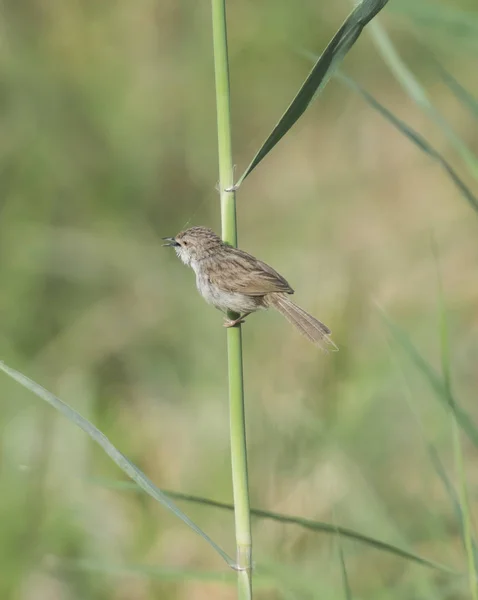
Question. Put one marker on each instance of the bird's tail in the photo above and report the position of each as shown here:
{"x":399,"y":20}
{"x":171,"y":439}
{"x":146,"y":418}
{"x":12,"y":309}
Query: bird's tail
{"x":309,"y":326}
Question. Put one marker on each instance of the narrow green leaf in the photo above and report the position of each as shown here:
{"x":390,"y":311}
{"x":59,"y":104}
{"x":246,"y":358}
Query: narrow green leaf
{"x":162,"y":573}
{"x":431,"y":449}
{"x":343,"y":571}
{"x":465,"y":97}
{"x":452,"y":495}
{"x":412,"y":86}
{"x":123,"y":463}
{"x":465,"y":517}
{"x":466,"y":522}
{"x":448,"y":486}
{"x":436,"y":383}
{"x":449,"y":19}
{"x":414,"y":137}
{"x":317,"y":526}
{"x":324,"y":68}
{"x":432,"y":452}
{"x":150,"y":571}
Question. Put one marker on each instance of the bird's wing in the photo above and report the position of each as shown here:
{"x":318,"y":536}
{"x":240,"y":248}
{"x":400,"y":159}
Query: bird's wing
{"x":242,"y":273}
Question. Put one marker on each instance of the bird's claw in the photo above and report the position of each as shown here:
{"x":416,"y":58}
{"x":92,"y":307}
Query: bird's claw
{"x":233,"y":323}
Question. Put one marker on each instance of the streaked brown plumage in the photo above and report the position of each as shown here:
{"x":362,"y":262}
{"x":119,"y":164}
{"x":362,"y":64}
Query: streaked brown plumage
{"x":231,"y":279}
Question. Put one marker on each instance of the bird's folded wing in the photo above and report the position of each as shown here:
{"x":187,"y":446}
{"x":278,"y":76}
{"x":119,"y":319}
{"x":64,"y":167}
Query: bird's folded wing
{"x":242,"y":273}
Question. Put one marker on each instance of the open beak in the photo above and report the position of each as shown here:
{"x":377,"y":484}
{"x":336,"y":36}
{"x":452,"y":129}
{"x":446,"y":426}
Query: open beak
{"x":170,"y":241}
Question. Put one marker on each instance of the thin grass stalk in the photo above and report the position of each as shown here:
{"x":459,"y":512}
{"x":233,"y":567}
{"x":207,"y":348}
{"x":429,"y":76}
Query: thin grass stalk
{"x":467,"y":527}
{"x":415,"y":90}
{"x":234,"y":338}
{"x":465,"y":510}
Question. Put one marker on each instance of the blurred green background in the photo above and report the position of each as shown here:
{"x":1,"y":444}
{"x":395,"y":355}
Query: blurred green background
{"x":108,"y":143}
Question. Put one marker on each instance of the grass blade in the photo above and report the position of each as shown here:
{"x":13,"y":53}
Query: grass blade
{"x":465,"y":97}
{"x":148,"y":571}
{"x":435,"y":381}
{"x":466,"y":523}
{"x":317,"y":79}
{"x":123,"y":463}
{"x":444,"y":392}
{"x":324,"y":528}
{"x":464,"y":506}
{"x":343,"y":570}
{"x":415,"y":138}
{"x":434,"y":457}
{"x":415,"y":90}
{"x":316,"y":526}
{"x":448,"y":20}
{"x":448,"y":486}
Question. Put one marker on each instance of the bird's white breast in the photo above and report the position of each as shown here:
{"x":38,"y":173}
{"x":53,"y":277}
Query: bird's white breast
{"x":222,"y":299}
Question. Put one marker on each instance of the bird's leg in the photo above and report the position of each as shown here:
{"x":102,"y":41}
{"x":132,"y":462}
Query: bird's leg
{"x":234,"y":322}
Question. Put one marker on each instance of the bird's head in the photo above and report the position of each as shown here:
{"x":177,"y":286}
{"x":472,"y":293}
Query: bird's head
{"x":194,"y":244}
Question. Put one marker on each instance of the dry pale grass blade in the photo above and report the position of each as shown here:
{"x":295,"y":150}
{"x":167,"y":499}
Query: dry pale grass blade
{"x":123,"y":463}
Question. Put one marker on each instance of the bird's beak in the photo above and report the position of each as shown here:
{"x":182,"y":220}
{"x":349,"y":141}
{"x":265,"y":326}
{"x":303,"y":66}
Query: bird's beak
{"x":170,"y":241}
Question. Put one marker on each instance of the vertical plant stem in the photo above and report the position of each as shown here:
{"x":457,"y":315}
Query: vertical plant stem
{"x":466,"y":521}
{"x":465,"y":510}
{"x":234,"y":338}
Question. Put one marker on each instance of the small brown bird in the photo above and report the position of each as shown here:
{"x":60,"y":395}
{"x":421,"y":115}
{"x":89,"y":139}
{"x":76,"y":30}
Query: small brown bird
{"x":231,"y":279}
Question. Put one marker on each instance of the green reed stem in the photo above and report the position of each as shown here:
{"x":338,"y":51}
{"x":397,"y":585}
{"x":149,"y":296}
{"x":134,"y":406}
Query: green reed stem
{"x":234,"y":339}
{"x":467,"y":526}
{"x":466,"y":519}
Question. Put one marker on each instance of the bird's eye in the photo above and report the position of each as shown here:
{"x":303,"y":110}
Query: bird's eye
{"x":185,"y":243}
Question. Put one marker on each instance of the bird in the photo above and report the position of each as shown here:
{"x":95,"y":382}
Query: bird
{"x":234,"y":281}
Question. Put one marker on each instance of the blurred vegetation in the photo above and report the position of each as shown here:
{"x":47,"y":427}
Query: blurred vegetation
{"x":108,"y":143}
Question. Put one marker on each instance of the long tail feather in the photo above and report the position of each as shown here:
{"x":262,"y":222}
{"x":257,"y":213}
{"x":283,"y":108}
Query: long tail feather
{"x":315,"y":331}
